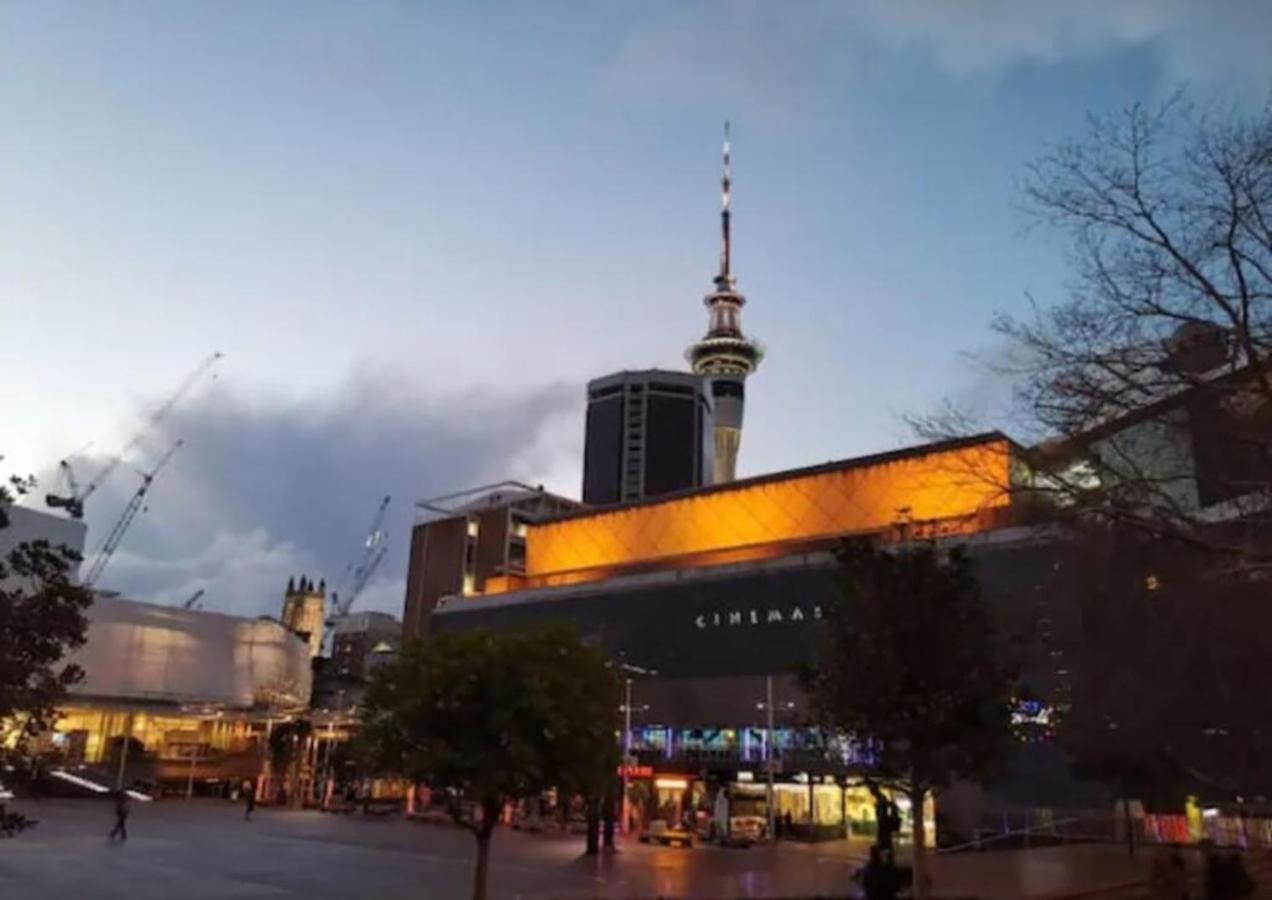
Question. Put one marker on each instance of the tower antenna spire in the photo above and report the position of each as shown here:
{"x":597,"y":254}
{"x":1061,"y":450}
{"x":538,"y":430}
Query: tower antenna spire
{"x":726,"y":185}
{"x":725,"y":356}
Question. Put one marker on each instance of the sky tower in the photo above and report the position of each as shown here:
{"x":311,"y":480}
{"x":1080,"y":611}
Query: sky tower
{"x":725,"y":356}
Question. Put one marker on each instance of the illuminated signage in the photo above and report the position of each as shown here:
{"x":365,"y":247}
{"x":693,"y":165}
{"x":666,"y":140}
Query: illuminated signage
{"x":636,"y":771}
{"x":772,"y":615}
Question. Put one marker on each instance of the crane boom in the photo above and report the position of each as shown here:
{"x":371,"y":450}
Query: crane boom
{"x":358,"y":573}
{"x":111,"y":544}
{"x":343,"y":606}
{"x":73,"y":502}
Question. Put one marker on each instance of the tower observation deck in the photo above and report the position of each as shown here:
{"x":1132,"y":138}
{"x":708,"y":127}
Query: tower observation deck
{"x":725,"y":356}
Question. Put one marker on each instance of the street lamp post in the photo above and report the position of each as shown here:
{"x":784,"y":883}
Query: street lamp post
{"x":123,"y":752}
{"x":627,"y":730}
{"x":627,"y":745}
{"x":768,"y":754}
{"x":194,"y":753}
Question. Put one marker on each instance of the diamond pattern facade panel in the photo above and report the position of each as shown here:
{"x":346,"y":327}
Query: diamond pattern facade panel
{"x":941,"y":484}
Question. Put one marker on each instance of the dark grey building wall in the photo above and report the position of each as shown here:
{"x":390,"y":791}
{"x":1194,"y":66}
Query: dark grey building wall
{"x":762,"y":621}
{"x":673,"y":455}
{"x":436,"y":569}
{"x":603,"y":450}
{"x":645,"y":435}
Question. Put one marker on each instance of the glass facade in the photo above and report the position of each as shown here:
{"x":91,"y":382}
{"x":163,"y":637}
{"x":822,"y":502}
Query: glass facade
{"x":603,"y":450}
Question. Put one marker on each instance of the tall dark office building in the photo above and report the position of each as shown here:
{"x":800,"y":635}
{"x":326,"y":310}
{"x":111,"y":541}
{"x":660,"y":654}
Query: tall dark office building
{"x":648,"y":433}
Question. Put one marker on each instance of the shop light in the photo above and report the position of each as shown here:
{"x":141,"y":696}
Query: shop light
{"x":671,"y":784}
{"x":746,"y":776}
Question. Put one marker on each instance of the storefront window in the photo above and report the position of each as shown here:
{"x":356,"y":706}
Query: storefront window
{"x":749,"y":800}
{"x":669,"y":798}
{"x":792,"y":800}
{"x":859,"y":808}
{"x":828,"y":804}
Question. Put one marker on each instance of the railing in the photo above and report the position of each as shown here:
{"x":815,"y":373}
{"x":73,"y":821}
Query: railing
{"x":1044,"y":826}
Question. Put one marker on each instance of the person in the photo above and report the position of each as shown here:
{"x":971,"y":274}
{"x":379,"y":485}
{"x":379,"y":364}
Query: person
{"x":787,"y":821}
{"x":249,"y":796}
{"x":887,"y":819}
{"x":1167,"y":878}
{"x":880,"y":879}
{"x":1226,"y":877}
{"x":121,"y":816}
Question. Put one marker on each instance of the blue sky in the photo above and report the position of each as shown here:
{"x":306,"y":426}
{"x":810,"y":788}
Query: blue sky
{"x":401,"y":221}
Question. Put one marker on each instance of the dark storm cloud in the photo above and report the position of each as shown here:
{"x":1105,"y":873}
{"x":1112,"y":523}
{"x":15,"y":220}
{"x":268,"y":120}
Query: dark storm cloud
{"x":264,"y":488}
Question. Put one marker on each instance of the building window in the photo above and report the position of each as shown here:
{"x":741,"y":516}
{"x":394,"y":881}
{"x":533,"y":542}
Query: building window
{"x":517,"y":556}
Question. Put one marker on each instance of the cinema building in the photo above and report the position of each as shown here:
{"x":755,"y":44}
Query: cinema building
{"x":712,"y":597}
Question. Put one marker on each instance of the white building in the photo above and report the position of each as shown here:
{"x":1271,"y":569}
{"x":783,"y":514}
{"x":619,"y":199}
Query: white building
{"x":195,"y":692}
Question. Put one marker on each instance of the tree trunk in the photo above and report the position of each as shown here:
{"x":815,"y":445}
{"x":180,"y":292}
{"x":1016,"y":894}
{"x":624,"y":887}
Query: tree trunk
{"x":485,"y":829}
{"x":921,"y":881}
{"x":607,"y":821}
{"x":593,"y":807}
{"x":484,"y":833}
{"x":1130,"y":828}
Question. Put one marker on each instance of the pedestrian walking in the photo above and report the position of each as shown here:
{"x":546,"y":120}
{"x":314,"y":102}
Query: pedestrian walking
{"x":121,"y":817}
{"x":249,"y":799}
{"x":880,"y":879}
{"x":1226,"y":877}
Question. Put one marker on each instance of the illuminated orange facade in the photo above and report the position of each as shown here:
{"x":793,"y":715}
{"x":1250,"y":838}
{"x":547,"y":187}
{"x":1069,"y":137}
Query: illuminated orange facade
{"x":950,"y":483}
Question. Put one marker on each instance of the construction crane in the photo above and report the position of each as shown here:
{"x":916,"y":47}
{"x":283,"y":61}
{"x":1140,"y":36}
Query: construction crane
{"x":358,"y":573}
{"x":111,"y":544}
{"x":73,"y":500}
{"x":194,"y":598}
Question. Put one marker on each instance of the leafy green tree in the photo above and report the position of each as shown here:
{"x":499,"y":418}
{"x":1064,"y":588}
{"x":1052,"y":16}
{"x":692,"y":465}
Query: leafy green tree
{"x":490,"y":718}
{"x":911,"y":665}
{"x":41,"y":620}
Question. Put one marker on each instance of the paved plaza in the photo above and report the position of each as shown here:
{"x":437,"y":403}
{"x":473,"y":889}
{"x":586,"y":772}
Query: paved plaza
{"x":203,"y":850}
